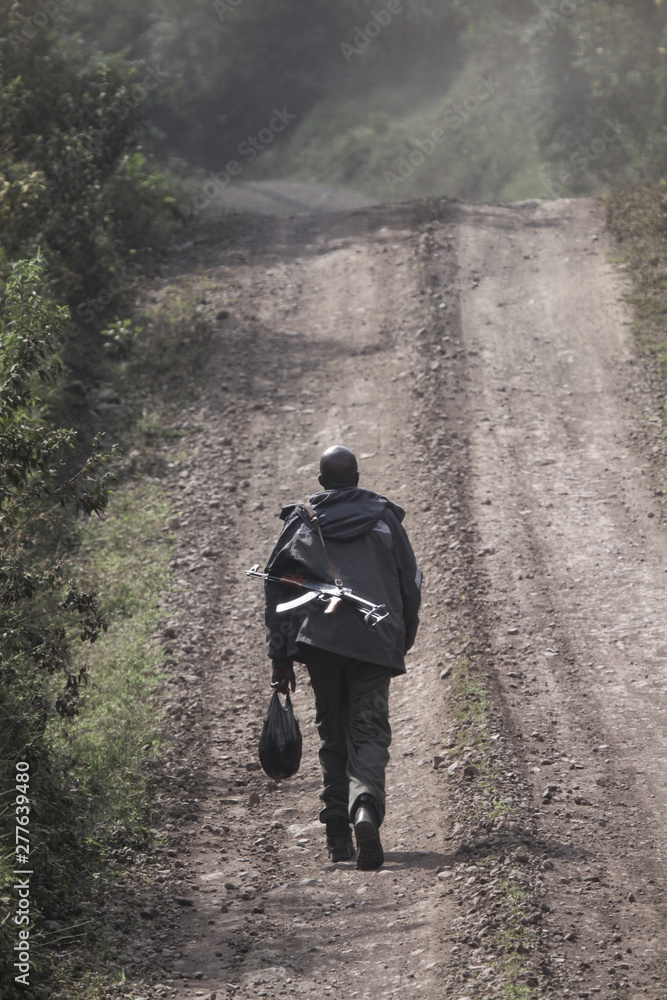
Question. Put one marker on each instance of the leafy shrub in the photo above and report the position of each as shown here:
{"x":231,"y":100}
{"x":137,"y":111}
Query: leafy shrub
{"x":73,"y":177}
{"x":42,"y":611}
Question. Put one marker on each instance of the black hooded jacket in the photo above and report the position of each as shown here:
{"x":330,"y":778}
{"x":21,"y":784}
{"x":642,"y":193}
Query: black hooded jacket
{"x":371,"y":554}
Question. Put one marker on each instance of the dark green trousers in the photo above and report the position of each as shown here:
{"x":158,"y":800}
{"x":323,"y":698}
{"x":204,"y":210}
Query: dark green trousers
{"x":352,"y":715}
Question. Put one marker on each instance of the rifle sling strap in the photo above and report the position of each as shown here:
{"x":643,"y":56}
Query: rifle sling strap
{"x":316,"y":524}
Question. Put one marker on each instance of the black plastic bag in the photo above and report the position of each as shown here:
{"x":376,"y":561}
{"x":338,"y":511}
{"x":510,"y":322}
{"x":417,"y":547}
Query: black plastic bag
{"x":280,"y":741}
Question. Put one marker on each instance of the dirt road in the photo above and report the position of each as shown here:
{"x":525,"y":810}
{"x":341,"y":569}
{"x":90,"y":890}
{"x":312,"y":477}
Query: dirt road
{"x":283,"y":198}
{"x":478,"y":361}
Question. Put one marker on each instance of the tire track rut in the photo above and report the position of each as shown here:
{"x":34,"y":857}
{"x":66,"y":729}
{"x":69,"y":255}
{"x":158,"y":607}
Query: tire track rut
{"x":477,"y":360}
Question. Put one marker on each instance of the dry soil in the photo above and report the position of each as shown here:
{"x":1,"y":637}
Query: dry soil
{"x":479,"y":361}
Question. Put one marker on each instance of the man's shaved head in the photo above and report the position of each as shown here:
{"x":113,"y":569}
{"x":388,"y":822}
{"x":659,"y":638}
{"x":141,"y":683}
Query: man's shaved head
{"x":338,"y":468}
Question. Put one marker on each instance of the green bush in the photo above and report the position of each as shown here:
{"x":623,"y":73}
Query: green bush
{"x":74,"y":179}
{"x":43,"y":612}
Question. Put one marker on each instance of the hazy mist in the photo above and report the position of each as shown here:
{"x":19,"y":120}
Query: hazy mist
{"x":399,"y":98}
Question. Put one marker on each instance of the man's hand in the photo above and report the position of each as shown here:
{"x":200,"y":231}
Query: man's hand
{"x":282,"y":677}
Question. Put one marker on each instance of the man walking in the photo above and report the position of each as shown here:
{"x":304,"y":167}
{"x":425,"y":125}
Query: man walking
{"x":356,"y":537}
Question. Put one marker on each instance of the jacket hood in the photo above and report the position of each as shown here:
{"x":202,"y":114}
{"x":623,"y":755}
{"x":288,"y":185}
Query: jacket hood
{"x":345,"y":514}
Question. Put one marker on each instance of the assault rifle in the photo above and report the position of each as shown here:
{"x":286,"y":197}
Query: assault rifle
{"x":330,"y":594}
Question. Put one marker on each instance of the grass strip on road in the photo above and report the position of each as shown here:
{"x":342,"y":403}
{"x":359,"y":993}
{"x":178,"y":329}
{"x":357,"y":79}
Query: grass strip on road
{"x":496,"y":949}
{"x":637,"y":219}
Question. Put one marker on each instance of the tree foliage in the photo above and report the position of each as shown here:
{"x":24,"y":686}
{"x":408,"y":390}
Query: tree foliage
{"x":44,"y":612}
{"x":566,"y":67}
{"x":73,"y":178}
{"x":603,"y":63}
{"x":232,"y":62}
{"x":41,"y":610}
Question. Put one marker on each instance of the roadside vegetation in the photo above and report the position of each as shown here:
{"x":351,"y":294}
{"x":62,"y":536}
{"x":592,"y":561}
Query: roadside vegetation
{"x":81,"y":601}
{"x":85,"y":211}
{"x":45,"y":610}
{"x":108,"y":753}
{"x":76,"y":181}
{"x":637,"y":219}
{"x":528,"y":98}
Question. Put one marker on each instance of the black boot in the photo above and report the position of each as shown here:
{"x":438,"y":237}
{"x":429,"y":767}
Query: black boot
{"x":366,"y":830}
{"x":339,"y":840}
